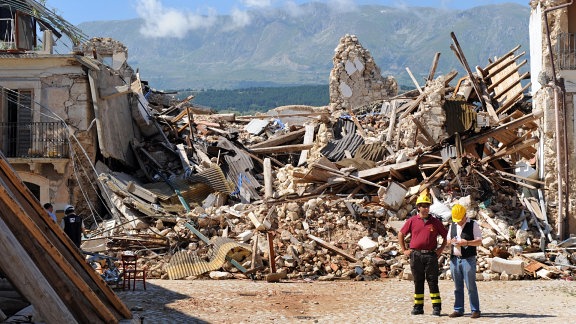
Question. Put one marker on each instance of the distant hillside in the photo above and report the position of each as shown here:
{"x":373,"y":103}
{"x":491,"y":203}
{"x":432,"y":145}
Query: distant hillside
{"x":282,"y":50}
{"x":251,"y":100}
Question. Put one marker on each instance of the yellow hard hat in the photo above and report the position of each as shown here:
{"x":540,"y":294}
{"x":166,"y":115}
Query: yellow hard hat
{"x":423,"y":199}
{"x":458,"y":212}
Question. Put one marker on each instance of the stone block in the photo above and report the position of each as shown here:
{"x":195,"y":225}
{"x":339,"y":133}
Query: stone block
{"x":511,"y":267}
{"x":367,"y":245}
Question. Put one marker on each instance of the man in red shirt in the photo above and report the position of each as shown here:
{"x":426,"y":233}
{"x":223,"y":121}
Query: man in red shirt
{"x":424,"y":253}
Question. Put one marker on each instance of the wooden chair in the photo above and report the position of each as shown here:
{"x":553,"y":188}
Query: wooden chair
{"x":131,"y":271}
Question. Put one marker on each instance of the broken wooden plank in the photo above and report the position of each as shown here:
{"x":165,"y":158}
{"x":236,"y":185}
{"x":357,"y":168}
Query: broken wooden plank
{"x":268,"y":181}
{"x":413,"y":106}
{"x":520,"y":177}
{"x":429,"y":141}
{"x":281,"y":139}
{"x":483,"y":137}
{"x":418,"y":87}
{"x":332,"y":248}
{"x":494,"y":226}
{"x":433,"y":67}
{"x":514,"y":99}
{"x":392,"y":123}
{"x":41,"y":294}
{"x":501,"y":58}
{"x":506,"y":76}
{"x":58,"y":240}
{"x":382,"y":171}
{"x":282,"y":149}
{"x":345,"y":175}
{"x":308,"y":139}
{"x":460,"y":54}
{"x":509,"y":150}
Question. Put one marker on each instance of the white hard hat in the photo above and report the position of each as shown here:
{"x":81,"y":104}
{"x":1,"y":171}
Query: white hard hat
{"x":68,"y":209}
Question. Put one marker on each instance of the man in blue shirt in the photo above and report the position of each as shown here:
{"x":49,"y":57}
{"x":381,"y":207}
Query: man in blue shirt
{"x":50,"y":209}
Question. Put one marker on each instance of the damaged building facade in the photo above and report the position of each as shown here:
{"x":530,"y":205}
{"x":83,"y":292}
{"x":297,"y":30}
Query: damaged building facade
{"x":54,"y":106}
{"x":553,"y":73}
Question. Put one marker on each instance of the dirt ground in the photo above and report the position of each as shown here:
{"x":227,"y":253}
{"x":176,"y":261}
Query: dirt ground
{"x":386,"y":301}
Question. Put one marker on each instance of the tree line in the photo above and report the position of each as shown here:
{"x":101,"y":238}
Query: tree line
{"x":251,"y":100}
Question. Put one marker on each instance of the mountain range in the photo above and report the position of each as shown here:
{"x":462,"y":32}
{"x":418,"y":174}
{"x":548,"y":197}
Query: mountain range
{"x":281,"y":49}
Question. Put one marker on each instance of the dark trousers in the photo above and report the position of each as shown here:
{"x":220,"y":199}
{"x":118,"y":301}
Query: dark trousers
{"x":424,"y":267}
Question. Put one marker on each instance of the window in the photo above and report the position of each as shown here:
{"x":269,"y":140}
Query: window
{"x":17,"y":121}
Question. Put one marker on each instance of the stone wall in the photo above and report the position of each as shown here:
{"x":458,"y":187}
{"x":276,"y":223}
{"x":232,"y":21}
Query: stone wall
{"x":356,"y":80}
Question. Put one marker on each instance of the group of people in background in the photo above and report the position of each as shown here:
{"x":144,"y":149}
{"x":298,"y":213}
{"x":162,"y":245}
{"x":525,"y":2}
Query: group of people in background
{"x":463,"y":235}
{"x":71,"y":223}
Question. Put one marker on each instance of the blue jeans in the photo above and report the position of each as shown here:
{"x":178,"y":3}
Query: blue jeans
{"x":464,"y":272}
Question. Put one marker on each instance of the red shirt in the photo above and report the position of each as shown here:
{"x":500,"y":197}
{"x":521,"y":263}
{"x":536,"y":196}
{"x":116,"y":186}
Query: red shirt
{"x":424,"y":234}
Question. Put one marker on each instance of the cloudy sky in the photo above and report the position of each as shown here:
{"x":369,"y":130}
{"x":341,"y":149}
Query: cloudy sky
{"x":175,"y":18}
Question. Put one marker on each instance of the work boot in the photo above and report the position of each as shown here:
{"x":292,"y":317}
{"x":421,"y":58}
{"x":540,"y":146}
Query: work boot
{"x":436,"y":309}
{"x":418,"y":310}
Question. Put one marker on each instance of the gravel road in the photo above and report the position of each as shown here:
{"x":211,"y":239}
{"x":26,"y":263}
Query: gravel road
{"x":385,"y":301}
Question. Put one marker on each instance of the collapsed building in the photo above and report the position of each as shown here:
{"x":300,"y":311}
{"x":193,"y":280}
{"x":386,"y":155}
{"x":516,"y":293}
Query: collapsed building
{"x":298,"y":191}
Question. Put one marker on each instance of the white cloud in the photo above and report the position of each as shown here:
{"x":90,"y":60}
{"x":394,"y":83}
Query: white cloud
{"x":342,"y":5}
{"x":293,"y":9}
{"x":160,"y":21}
{"x":257,"y":3}
{"x":239,"y":19}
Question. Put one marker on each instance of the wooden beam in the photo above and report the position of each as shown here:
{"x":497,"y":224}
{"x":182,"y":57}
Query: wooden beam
{"x":462,"y":58}
{"x":282,"y":149}
{"x":501,"y":58}
{"x":392,"y":123}
{"x":513,"y":99}
{"x":506,"y":76}
{"x":520,"y":177}
{"x":512,"y":85}
{"x":29,"y":280}
{"x":481,"y":138}
{"x":59,"y":240}
{"x":333,"y":248}
{"x":424,"y":131}
{"x":281,"y":139}
{"x":489,"y":74}
{"x":414,"y":80}
{"x":308,"y":139}
{"x":433,"y":67}
{"x":509,"y":150}
{"x":382,"y":171}
{"x":413,"y":105}
{"x":349,"y":176}
{"x":65,"y":281}
{"x":268,"y":187}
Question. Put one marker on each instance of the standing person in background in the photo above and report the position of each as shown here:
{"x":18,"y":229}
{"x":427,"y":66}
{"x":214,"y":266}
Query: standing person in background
{"x":424,"y":252}
{"x":73,"y":225}
{"x":465,"y":235}
{"x":50,"y":209}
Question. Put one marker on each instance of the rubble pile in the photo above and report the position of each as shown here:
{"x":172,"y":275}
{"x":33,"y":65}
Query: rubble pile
{"x":321,"y":192}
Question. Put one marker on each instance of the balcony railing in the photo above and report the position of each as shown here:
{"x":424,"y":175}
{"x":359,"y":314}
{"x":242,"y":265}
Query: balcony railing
{"x":566,"y":51}
{"x":34,"y":140}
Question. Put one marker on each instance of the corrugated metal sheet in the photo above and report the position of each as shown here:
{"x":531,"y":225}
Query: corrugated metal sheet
{"x":185,"y":263}
{"x":460,"y":116}
{"x":371,"y":152}
{"x":214,"y":177}
{"x":238,"y":168}
{"x":345,"y":139}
